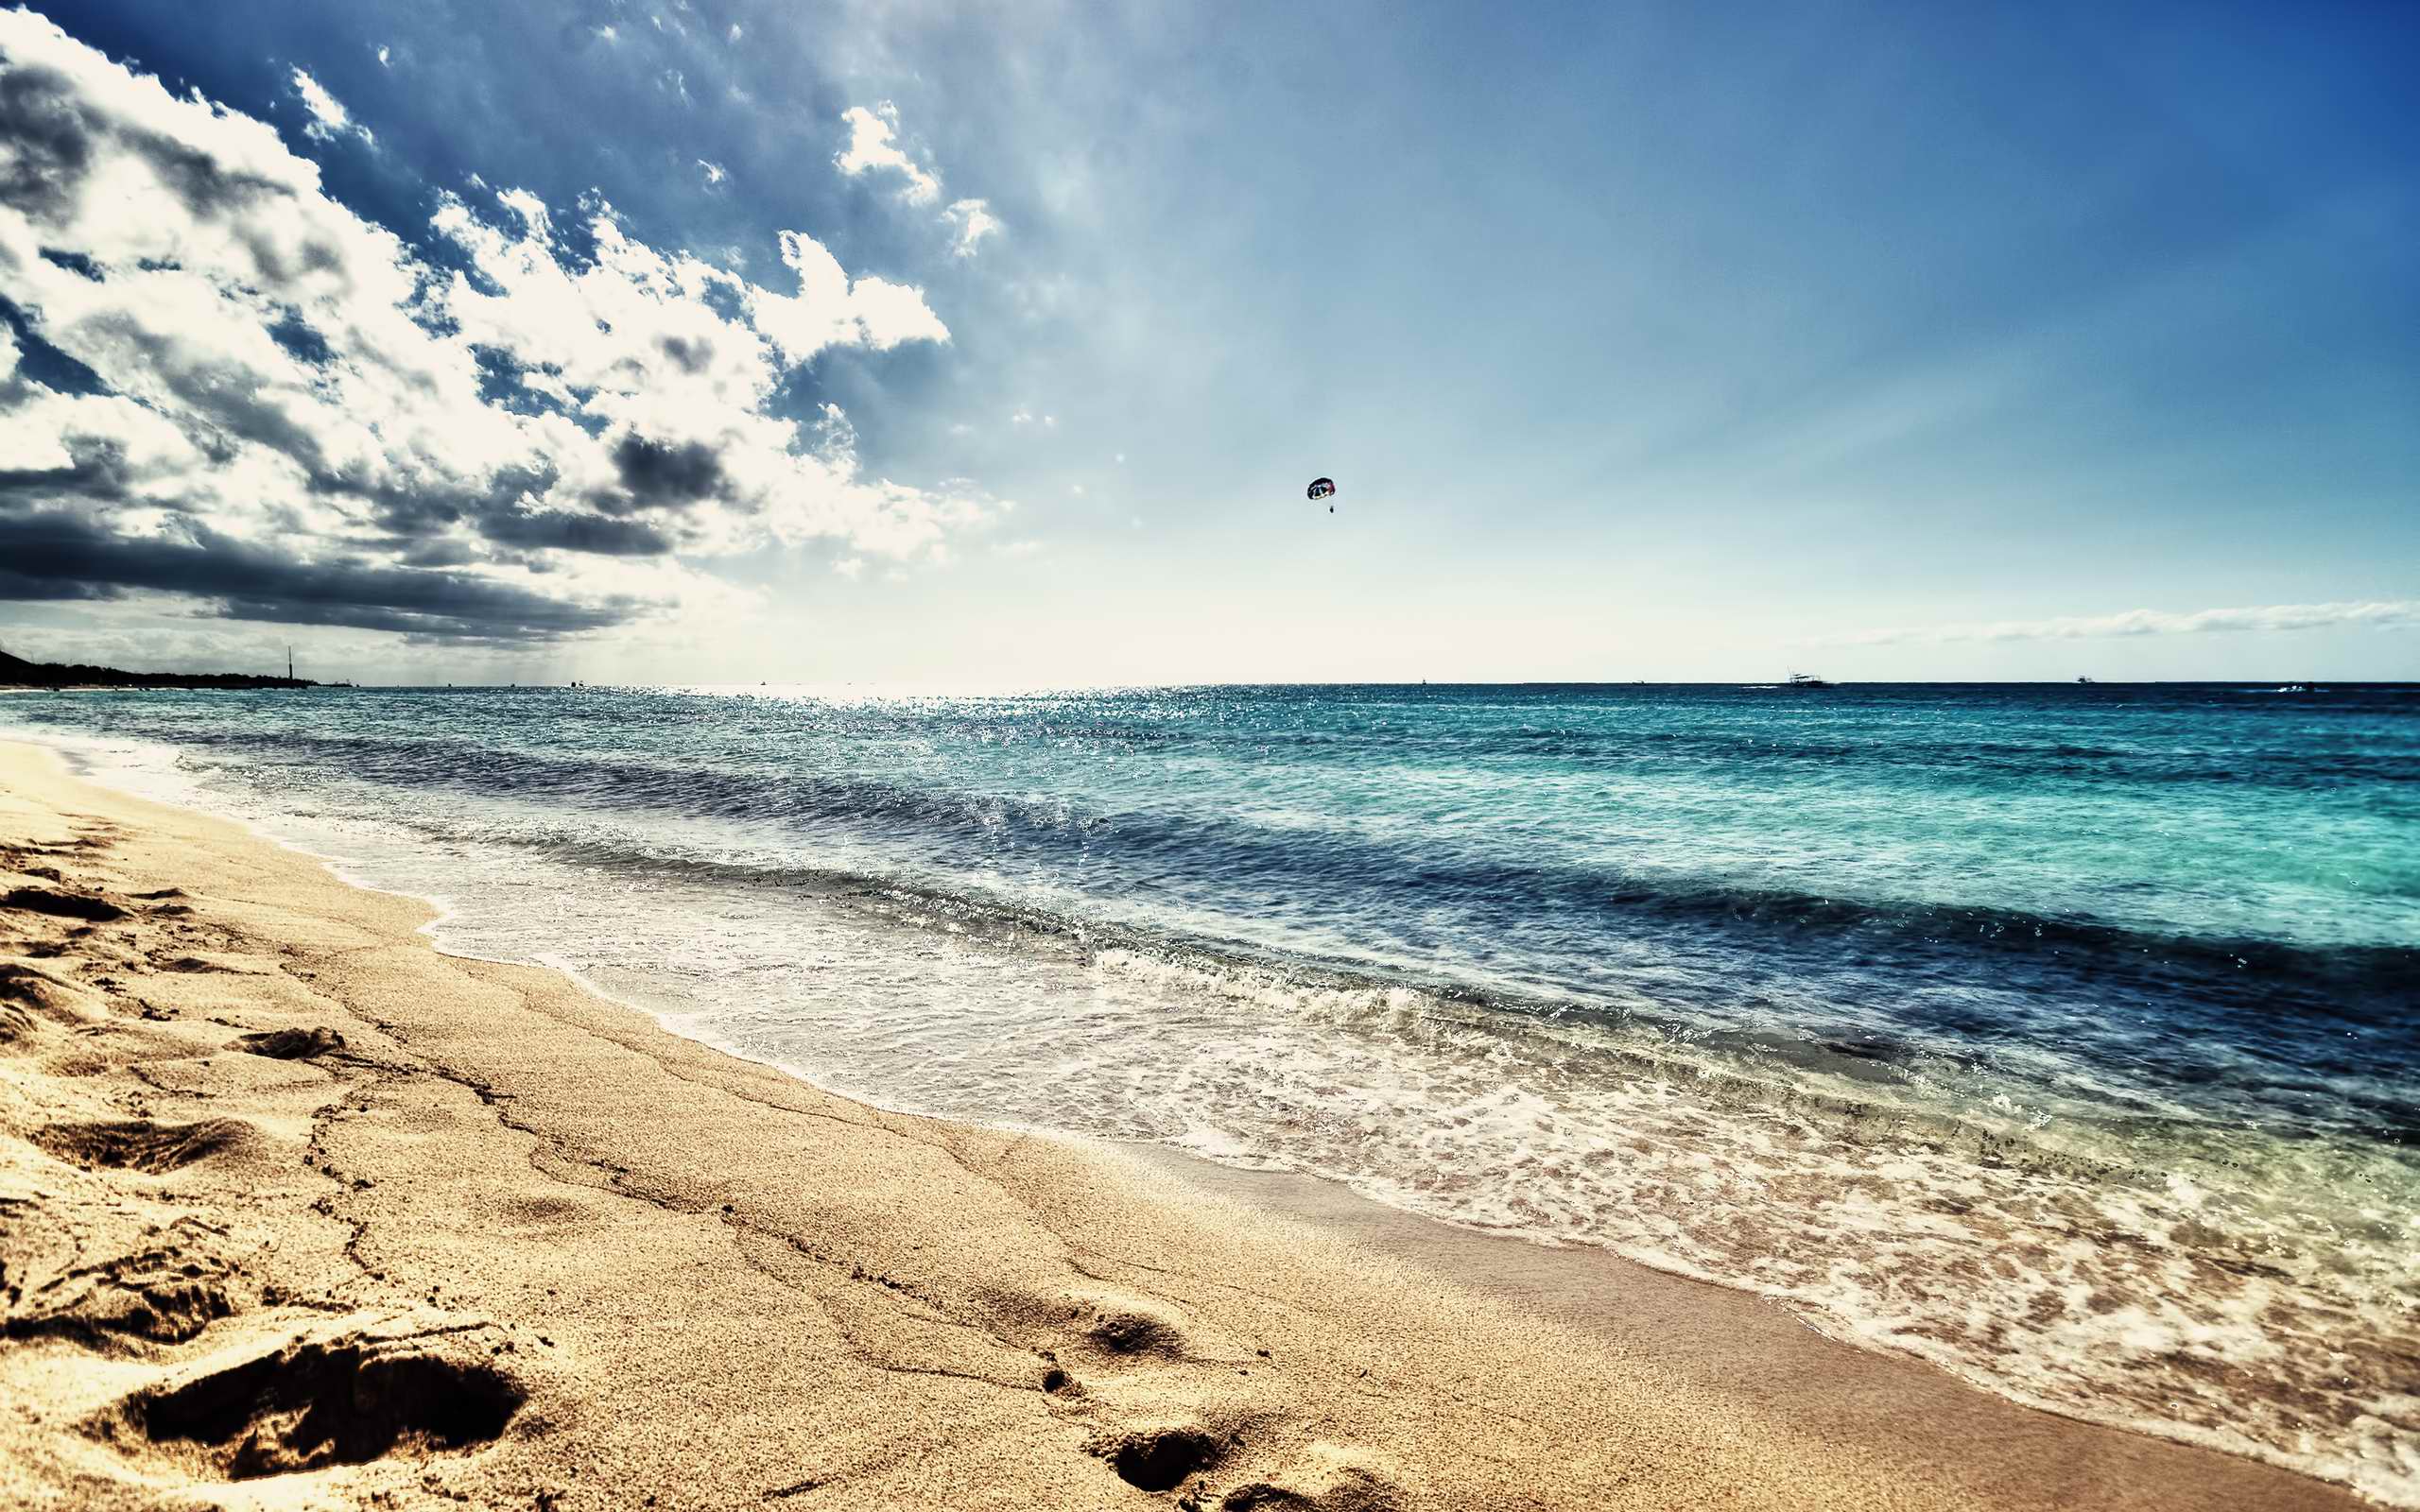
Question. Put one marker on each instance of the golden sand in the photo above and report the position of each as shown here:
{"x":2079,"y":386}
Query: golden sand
{"x":296,"y":1211}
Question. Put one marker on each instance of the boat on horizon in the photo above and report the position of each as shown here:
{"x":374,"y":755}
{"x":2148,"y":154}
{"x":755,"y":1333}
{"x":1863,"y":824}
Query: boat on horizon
{"x":1803,"y":679}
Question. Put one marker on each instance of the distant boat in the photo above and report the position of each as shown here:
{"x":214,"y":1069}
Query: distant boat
{"x":2296,"y":687}
{"x":2088,"y":681}
{"x":1801,"y":679}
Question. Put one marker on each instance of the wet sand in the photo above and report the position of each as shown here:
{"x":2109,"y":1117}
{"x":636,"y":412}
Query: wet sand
{"x":296,"y":1211}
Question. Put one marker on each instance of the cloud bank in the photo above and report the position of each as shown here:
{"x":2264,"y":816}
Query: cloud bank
{"x":217,"y":383}
{"x":2382,"y":614}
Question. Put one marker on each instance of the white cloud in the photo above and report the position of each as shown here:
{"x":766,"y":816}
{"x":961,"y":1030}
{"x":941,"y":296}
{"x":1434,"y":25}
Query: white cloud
{"x":329,"y":118}
{"x":298,"y":417}
{"x":874,"y":148}
{"x":850,"y":567}
{"x":974,"y":220}
{"x":734,"y":31}
{"x":836,"y":438}
{"x":2379,"y":614}
{"x":608,"y":34}
{"x":830,"y":309}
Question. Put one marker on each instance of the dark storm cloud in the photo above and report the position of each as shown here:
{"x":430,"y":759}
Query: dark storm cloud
{"x":226,"y":396}
{"x":96,"y":471}
{"x":57,"y":557}
{"x":447,"y":552}
{"x":422,"y":625}
{"x":48,"y":137}
{"x":692,"y":357}
{"x":656,"y":475}
{"x":490,"y":506}
{"x":211,"y":190}
{"x":51,"y":137}
{"x":562,"y":531}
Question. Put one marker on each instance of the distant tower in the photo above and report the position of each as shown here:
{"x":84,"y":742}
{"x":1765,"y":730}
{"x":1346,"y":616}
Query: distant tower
{"x":289,"y":664}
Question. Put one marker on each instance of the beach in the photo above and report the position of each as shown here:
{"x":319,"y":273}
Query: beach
{"x":299,"y":1212}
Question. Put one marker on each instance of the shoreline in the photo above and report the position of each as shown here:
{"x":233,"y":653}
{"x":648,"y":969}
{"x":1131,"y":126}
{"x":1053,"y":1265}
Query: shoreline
{"x":712,"y":1283}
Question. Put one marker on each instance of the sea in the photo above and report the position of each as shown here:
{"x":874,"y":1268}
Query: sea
{"x":2066,"y":1037}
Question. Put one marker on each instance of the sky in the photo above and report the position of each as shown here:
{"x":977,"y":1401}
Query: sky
{"x":938,"y":344}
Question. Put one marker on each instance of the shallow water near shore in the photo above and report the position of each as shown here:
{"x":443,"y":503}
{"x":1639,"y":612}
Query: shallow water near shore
{"x":2064,"y":1037}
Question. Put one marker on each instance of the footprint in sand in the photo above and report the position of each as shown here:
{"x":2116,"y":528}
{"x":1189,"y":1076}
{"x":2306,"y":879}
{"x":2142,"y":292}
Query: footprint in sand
{"x":30,"y":997}
{"x":1219,"y":1451}
{"x":291,"y":1044}
{"x":1133,"y":1326}
{"x":191,"y":964}
{"x":1160,"y":1456}
{"x":1319,"y":1477}
{"x":165,"y":1293}
{"x":1101,"y":1323}
{"x":1325,"y":1478}
{"x":61,"y":905}
{"x":139,"y":1144}
{"x":346,"y":1397}
{"x":27,"y":987}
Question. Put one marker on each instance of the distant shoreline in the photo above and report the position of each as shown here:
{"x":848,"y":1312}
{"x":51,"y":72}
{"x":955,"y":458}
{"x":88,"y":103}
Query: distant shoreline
{"x":55,"y":676}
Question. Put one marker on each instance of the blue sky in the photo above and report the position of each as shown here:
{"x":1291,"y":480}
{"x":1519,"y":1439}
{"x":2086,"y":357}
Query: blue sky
{"x":1642,"y":342}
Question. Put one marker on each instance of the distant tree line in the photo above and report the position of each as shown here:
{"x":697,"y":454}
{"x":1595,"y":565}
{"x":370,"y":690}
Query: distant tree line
{"x":16,"y":671}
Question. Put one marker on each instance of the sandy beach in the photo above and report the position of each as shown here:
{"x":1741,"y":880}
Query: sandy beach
{"x":296,"y":1212}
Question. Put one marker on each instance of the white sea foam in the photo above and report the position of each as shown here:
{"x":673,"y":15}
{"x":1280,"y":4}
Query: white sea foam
{"x":2217,"y":1285}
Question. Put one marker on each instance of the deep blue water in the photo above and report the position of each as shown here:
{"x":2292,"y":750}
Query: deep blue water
{"x":2145,"y":957}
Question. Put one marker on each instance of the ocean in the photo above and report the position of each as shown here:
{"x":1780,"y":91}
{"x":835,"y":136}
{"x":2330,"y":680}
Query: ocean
{"x":2066,"y":1037}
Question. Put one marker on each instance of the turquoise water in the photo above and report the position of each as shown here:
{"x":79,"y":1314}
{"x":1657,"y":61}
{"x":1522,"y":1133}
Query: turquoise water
{"x":2067,"y":1036}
